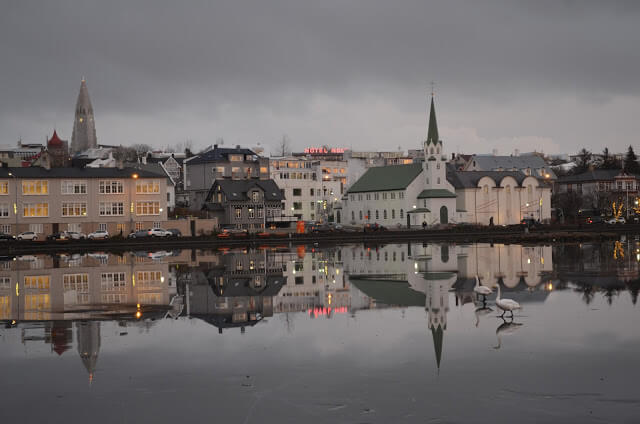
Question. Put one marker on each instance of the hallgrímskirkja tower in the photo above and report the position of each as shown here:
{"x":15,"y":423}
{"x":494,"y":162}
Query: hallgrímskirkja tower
{"x":84,"y":128}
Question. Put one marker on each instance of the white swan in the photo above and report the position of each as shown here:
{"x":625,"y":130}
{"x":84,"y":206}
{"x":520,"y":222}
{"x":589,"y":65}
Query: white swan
{"x":506,"y":304}
{"x":481,"y":290}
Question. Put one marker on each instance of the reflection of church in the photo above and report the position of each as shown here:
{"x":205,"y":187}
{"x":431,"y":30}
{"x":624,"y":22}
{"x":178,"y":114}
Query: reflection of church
{"x":88,"y":339}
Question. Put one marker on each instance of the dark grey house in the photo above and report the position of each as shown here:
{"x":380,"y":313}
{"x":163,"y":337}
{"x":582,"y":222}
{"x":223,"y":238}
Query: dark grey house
{"x":248,"y":204}
{"x":220,"y":163}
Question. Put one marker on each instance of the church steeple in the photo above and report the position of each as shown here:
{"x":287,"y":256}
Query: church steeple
{"x":84,"y":129}
{"x":432,"y":134}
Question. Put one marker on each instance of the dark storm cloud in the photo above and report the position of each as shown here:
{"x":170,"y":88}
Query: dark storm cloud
{"x":161,"y":71}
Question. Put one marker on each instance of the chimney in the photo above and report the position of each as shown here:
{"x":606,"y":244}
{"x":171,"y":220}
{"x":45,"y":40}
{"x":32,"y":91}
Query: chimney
{"x":215,"y":146}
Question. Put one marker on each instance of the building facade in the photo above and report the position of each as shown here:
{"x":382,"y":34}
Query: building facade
{"x":246,"y":204}
{"x":311,"y":188}
{"x":59,"y":199}
{"x":219,"y":163}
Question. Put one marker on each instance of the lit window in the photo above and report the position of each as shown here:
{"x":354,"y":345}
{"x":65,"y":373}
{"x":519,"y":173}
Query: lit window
{"x":74,"y":209}
{"x":147,"y":208}
{"x":30,"y":210}
{"x":147,"y":187}
{"x":35,"y":187}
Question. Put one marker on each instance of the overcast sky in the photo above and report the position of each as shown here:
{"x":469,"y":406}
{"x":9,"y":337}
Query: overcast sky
{"x":546,"y":75}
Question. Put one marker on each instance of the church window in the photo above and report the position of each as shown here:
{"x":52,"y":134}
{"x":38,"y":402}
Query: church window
{"x":431,"y":150}
{"x":384,"y":214}
{"x":360,"y":215}
{"x":438,"y":166}
{"x":368,"y":215}
{"x":485,"y":189}
{"x":438,"y":180}
{"x":401,"y":213}
{"x":393,"y":214}
{"x":353,"y":216}
{"x":377,"y":214}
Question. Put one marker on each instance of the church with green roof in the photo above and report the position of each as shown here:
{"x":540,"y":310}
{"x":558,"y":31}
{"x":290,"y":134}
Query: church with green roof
{"x":405,"y":195}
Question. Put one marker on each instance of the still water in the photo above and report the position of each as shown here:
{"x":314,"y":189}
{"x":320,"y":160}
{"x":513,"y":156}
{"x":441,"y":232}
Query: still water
{"x":375,"y":334}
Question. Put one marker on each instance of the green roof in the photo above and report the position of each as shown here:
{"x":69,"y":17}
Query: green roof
{"x":396,"y":293}
{"x":385,"y":178}
{"x":419,"y":210}
{"x":432,"y":133}
{"x":438,"y":275}
{"x":435,"y":193}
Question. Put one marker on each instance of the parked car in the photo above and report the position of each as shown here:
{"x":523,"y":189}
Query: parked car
{"x":596,"y":219}
{"x":60,"y":235}
{"x":232,"y":230}
{"x":175,"y":232}
{"x":614,"y":220}
{"x":27,"y":235}
{"x":99,"y":234}
{"x":159,"y":232}
{"x":374,"y":227}
{"x":74,"y":235}
{"x":529,"y":222}
{"x":6,"y":237}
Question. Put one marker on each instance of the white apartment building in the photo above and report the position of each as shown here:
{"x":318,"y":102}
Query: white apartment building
{"x":311,"y":188}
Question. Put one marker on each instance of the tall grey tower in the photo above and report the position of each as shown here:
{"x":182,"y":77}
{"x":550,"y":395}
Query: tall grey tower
{"x":84,"y":127}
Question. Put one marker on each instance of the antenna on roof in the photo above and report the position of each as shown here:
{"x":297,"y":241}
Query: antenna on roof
{"x":433,"y":88}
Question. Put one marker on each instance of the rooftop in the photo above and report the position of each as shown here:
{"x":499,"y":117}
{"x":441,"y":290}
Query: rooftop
{"x":385,"y":178}
{"x":72,"y":172}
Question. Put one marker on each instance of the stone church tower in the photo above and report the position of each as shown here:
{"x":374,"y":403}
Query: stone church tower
{"x":84,"y":128}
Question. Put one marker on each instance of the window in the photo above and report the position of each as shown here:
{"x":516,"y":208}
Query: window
{"x":376,"y":196}
{"x":113,"y":281}
{"x":353,"y":216}
{"x":235,"y":158}
{"x":251,"y":213}
{"x":147,"y":279}
{"x":297,"y":192}
{"x":384,"y":196}
{"x":263,"y":170}
{"x":73,"y":187}
{"x":393,"y":195}
{"x":368,"y":196}
{"x":4,"y":210}
{"x":110,"y":209}
{"x":377,"y":214}
{"x":220,"y":170}
{"x":37,"y":282}
{"x":74,"y":209}
{"x":360,"y":215}
{"x":368,"y":215}
{"x":384,"y":214}
{"x":255,"y":196}
{"x":110,"y":187}
{"x":297,"y":206}
{"x":4,"y":187}
{"x":312,"y":205}
{"x":260,"y":212}
{"x":31,"y":210}
{"x":401,"y":214}
{"x":311,"y":192}
{"x":238,"y":213}
{"x":78,"y":283}
{"x":5,"y":228}
{"x":139,"y":226}
{"x":147,"y":187}
{"x":102,"y":227}
{"x":438,"y":180}
{"x":5,"y":282}
{"x":393,"y":214}
{"x":35,"y":187}
{"x":401,"y":195}
{"x":36,"y":228}
{"x":147,"y":208}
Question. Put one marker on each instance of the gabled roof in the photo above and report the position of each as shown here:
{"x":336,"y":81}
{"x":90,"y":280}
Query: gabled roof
{"x":384,"y":178}
{"x":54,"y":140}
{"x":219,"y":154}
{"x":469,"y":179}
{"x":435,"y":193}
{"x":432,"y":133}
{"x":72,"y":172}
{"x":237,"y":189}
{"x":491,"y":162}
{"x":594,"y":175}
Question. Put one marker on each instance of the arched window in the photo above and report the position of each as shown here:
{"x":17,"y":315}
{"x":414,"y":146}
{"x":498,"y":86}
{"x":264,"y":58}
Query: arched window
{"x":438,"y":150}
{"x":444,"y":253}
{"x":386,"y":256}
{"x":360,"y":215}
{"x":393,"y":214}
{"x":401,"y":214}
{"x":394,"y":256}
{"x":353,"y":216}
{"x":444,"y":215}
{"x":384,"y":214}
{"x":377,"y":215}
{"x":369,"y":215}
{"x":431,"y":150}
{"x":438,"y":180}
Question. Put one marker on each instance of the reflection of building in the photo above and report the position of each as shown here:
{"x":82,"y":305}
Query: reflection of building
{"x":88,"y":339}
{"x":236,"y":292}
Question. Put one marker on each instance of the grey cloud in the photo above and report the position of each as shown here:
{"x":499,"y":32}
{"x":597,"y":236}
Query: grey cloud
{"x":268,"y":62}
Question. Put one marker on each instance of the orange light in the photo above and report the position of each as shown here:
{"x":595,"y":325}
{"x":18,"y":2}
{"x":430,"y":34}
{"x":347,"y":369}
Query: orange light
{"x":134,"y":176}
{"x":138,"y":315}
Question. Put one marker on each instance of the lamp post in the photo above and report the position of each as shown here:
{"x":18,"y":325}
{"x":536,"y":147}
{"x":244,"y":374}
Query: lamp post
{"x":134,"y":177}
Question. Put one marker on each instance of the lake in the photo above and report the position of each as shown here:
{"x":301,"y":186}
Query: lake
{"x":342,"y":334}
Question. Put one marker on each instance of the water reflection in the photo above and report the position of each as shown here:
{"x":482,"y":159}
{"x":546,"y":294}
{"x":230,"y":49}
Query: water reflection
{"x":50,"y":298}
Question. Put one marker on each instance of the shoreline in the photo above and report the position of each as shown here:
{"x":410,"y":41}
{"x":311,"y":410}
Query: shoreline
{"x":455,"y":235}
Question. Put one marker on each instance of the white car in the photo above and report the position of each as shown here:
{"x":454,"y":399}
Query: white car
{"x":27,"y":235}
{"x":100,"y":234}
{"x":73,"y":235}
{"x":614,"y":220}
{"x":159,"y":232}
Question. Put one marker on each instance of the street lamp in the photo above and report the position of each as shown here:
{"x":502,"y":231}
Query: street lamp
{"x":15,"y":203}
{"x":134,"y":177}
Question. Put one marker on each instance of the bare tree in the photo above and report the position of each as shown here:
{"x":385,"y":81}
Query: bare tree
{"x":284,"y":148}
{"x":141,"y":148}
